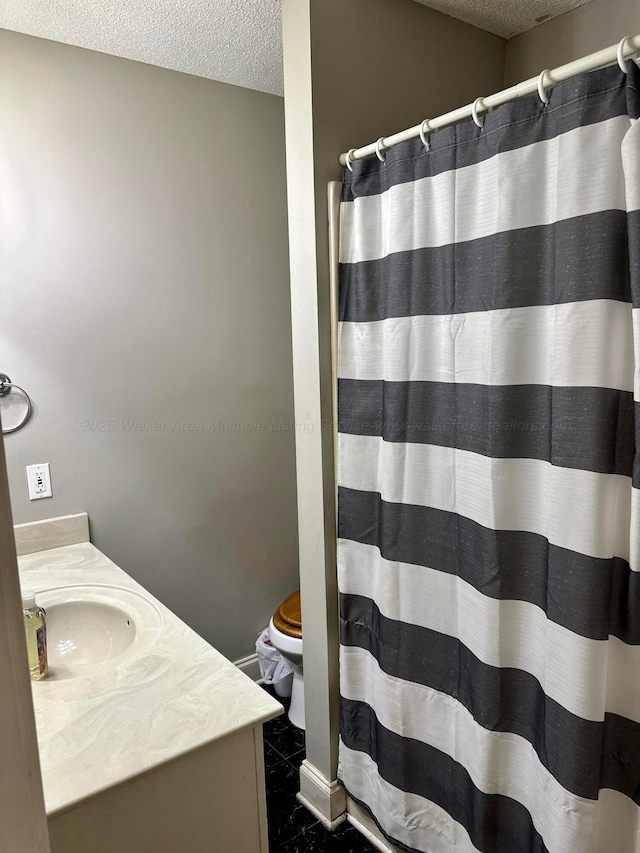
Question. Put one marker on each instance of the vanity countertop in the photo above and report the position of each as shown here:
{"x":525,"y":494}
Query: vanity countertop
{"x":100,"y":730}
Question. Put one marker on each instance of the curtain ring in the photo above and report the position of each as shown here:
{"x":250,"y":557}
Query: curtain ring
{"x":474,"y":112}
{"x":541,"y":90}
{"x":350,"y":158}
{"x":622,"y":62}
{"x":379,"y":153}
{"x":424,"y":129}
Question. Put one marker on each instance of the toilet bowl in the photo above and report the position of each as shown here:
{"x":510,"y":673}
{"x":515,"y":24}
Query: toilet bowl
{"x":285,"y":632}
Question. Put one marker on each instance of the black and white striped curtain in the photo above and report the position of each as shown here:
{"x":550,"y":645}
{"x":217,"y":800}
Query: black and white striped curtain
{"x":489,"y":481}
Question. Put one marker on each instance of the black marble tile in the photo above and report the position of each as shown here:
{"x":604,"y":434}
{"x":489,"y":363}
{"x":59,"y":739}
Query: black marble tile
{"x":316,"y":839}
{"x":283,"y":700}
{"x":286,"y":817}
{"x":283,"y":736}
{"x":297,"y":758}
{"x":271,"y":756}
{"x":292,"y":828}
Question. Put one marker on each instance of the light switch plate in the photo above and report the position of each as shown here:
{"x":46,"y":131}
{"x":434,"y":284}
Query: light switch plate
{"x":39,"y":481}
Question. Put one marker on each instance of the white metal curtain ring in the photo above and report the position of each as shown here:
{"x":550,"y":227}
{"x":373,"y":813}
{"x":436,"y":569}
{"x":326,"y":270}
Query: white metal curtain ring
{"x":541,"y":90}
{"x":350,"y":158}
{"x":379,"y":148}
{"x":474,"y":112}
{"x":424,"y":129}
{"x":620,"y":55}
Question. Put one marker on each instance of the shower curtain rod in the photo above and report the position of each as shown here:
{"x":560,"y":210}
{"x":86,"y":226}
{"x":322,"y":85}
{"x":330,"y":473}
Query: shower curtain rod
{"x":546,"y":80}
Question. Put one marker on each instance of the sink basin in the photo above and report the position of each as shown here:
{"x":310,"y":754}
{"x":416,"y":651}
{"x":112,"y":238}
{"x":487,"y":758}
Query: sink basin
{"x":90,"y":627}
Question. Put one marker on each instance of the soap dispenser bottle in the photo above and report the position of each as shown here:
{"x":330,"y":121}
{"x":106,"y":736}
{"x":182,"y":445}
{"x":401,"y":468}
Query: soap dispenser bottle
{"x":35,"y":625}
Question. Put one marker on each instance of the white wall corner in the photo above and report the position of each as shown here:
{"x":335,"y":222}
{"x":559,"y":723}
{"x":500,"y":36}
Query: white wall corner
{"x":324,"y":799}
{"x":250,"y":667}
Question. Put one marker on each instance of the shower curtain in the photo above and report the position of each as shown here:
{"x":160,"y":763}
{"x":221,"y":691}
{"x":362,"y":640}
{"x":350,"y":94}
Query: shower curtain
{"x":489,"y":480}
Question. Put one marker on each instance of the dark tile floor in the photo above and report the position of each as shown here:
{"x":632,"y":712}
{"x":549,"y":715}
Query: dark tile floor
{"x":293,"y":829}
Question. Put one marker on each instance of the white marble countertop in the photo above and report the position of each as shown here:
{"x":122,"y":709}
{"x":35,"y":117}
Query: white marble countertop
{"x":104,"y":728}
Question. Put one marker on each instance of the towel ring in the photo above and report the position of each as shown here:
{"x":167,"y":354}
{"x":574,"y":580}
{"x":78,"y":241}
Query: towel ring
{"x":425,"y":128}
{"x":474,"y":112}
{"x":379,"y":149}
{"x":350,"y":158}
{"x":542,"y":94}
{"x":5,"y":388}
{"x":622,"y":62}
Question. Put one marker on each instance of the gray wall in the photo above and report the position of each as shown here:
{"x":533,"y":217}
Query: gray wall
{"x":583,"y":30}
{"x":144,"y":279}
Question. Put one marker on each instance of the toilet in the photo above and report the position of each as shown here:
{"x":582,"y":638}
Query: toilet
{"x":285,"y":632}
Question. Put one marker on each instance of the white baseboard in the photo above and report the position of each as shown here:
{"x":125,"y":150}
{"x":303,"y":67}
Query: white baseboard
{"x":325,"y":800}
{"x":250,"y":667}
{"x":364,"y":823}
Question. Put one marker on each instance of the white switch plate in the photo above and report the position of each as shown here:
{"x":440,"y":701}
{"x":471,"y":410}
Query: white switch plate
{"x":39,"y":481}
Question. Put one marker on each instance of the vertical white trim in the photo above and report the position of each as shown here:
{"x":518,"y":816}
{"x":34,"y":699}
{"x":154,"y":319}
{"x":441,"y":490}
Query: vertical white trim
{"x":23,"y":822}
{"x":334,"y":192}
{"x":261,"y":788}
{"x":312,"y":398}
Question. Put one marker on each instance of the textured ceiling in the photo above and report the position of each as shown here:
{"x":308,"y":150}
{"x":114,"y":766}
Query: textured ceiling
{"x":505,"y":18}
{"x":235,"y":41}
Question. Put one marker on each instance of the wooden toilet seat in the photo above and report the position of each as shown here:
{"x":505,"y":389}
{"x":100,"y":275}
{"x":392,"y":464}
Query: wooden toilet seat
{"x":288,"y":617}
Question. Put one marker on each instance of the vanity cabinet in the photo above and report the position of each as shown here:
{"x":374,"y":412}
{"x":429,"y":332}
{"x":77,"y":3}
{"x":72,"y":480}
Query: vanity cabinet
{"x":150,"y":740}
{"x":209,"y":801}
